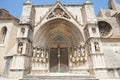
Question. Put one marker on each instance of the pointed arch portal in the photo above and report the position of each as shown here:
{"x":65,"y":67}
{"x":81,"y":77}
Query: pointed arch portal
{"x":58,"y":35}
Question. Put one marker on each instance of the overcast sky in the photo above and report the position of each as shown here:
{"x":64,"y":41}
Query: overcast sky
{"x":15,"y":6}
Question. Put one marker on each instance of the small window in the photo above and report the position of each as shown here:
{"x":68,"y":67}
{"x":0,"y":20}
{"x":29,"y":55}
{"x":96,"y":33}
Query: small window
{"x":3,"y":34}
{"x":23,"y":31}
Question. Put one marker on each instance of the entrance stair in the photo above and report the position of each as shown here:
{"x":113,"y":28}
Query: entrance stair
{"x":59,"y":76}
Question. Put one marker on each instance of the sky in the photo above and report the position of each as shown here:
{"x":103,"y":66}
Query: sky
{"x":15,"y":6}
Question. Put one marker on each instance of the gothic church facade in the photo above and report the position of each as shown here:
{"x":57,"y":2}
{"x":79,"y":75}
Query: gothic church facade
{"x":55,"y":42}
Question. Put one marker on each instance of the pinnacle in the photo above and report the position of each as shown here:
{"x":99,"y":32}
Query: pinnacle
{"x":28,"y":1}
{"x":87,"y":1}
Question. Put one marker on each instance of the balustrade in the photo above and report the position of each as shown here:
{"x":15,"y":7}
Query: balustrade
{"x":40,"y":55}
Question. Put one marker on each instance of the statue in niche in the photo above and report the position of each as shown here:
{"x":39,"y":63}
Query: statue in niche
{"x":38,"y":51}
{"x":79,"y":51}
{"x":20,"y":47}
{"x":46,"y":53}
{"x":97,"y":48}
{"x":75,"y":52}
{"x":34,"y":51}
{"x":82,"y":51}
{"x":42,"y":52}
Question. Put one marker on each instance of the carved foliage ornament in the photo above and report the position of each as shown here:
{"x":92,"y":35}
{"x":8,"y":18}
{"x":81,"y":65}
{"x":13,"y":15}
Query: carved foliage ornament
{"x":58,"y":12}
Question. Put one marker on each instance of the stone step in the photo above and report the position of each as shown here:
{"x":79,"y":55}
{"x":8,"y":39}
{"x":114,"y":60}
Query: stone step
{"x":59,"y":77}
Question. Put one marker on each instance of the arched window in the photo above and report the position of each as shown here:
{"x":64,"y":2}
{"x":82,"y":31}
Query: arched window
{"x":3,"y":34}
{"x":23,"y":31}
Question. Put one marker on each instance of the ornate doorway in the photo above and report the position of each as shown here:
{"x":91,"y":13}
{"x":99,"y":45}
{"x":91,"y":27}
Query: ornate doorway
{"x":59,"y":60}
{"x":57,"y":35}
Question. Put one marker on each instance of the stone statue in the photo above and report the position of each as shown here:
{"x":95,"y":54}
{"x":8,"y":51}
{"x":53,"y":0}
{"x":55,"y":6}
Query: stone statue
{"x":97,"y":48}
{"x":82,"y":51}
{"x":42,"y":52}
{"x":20,"y":47}
{"x":46,"y":53}
{"x":38,"y":52}
{"x":75,"y":52}
{"x":34,"y":51}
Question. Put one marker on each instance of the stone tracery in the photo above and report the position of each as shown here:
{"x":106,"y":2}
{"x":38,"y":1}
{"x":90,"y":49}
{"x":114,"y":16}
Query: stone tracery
{"x":104,"y":28}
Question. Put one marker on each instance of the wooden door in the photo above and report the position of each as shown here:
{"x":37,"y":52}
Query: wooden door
{"x":53,"y":61}
{"x":64,"y":60}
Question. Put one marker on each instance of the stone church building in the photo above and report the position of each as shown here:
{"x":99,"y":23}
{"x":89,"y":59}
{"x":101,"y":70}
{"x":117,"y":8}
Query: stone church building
{"x":60,"y":42}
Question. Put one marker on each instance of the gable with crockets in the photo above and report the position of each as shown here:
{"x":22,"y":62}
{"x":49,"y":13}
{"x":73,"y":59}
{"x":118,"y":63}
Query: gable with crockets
{"x":58,"y":11}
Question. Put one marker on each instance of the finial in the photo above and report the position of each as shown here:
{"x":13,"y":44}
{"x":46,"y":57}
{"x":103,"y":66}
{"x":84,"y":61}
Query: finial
{"x":87,"y":1}
{"x":28,"y":1}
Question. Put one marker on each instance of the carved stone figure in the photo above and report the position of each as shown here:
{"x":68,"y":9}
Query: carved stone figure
{"x":42,"y":52}
{"x":23,"y":31}
{"x":82,"y":51}
{"x":97,"y":48}
{"x":38,"y":52}
{"x":20,"y":47}
{"x":34,"y":51}
{"x":75,"y":52}
{"x":46,"y":53}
